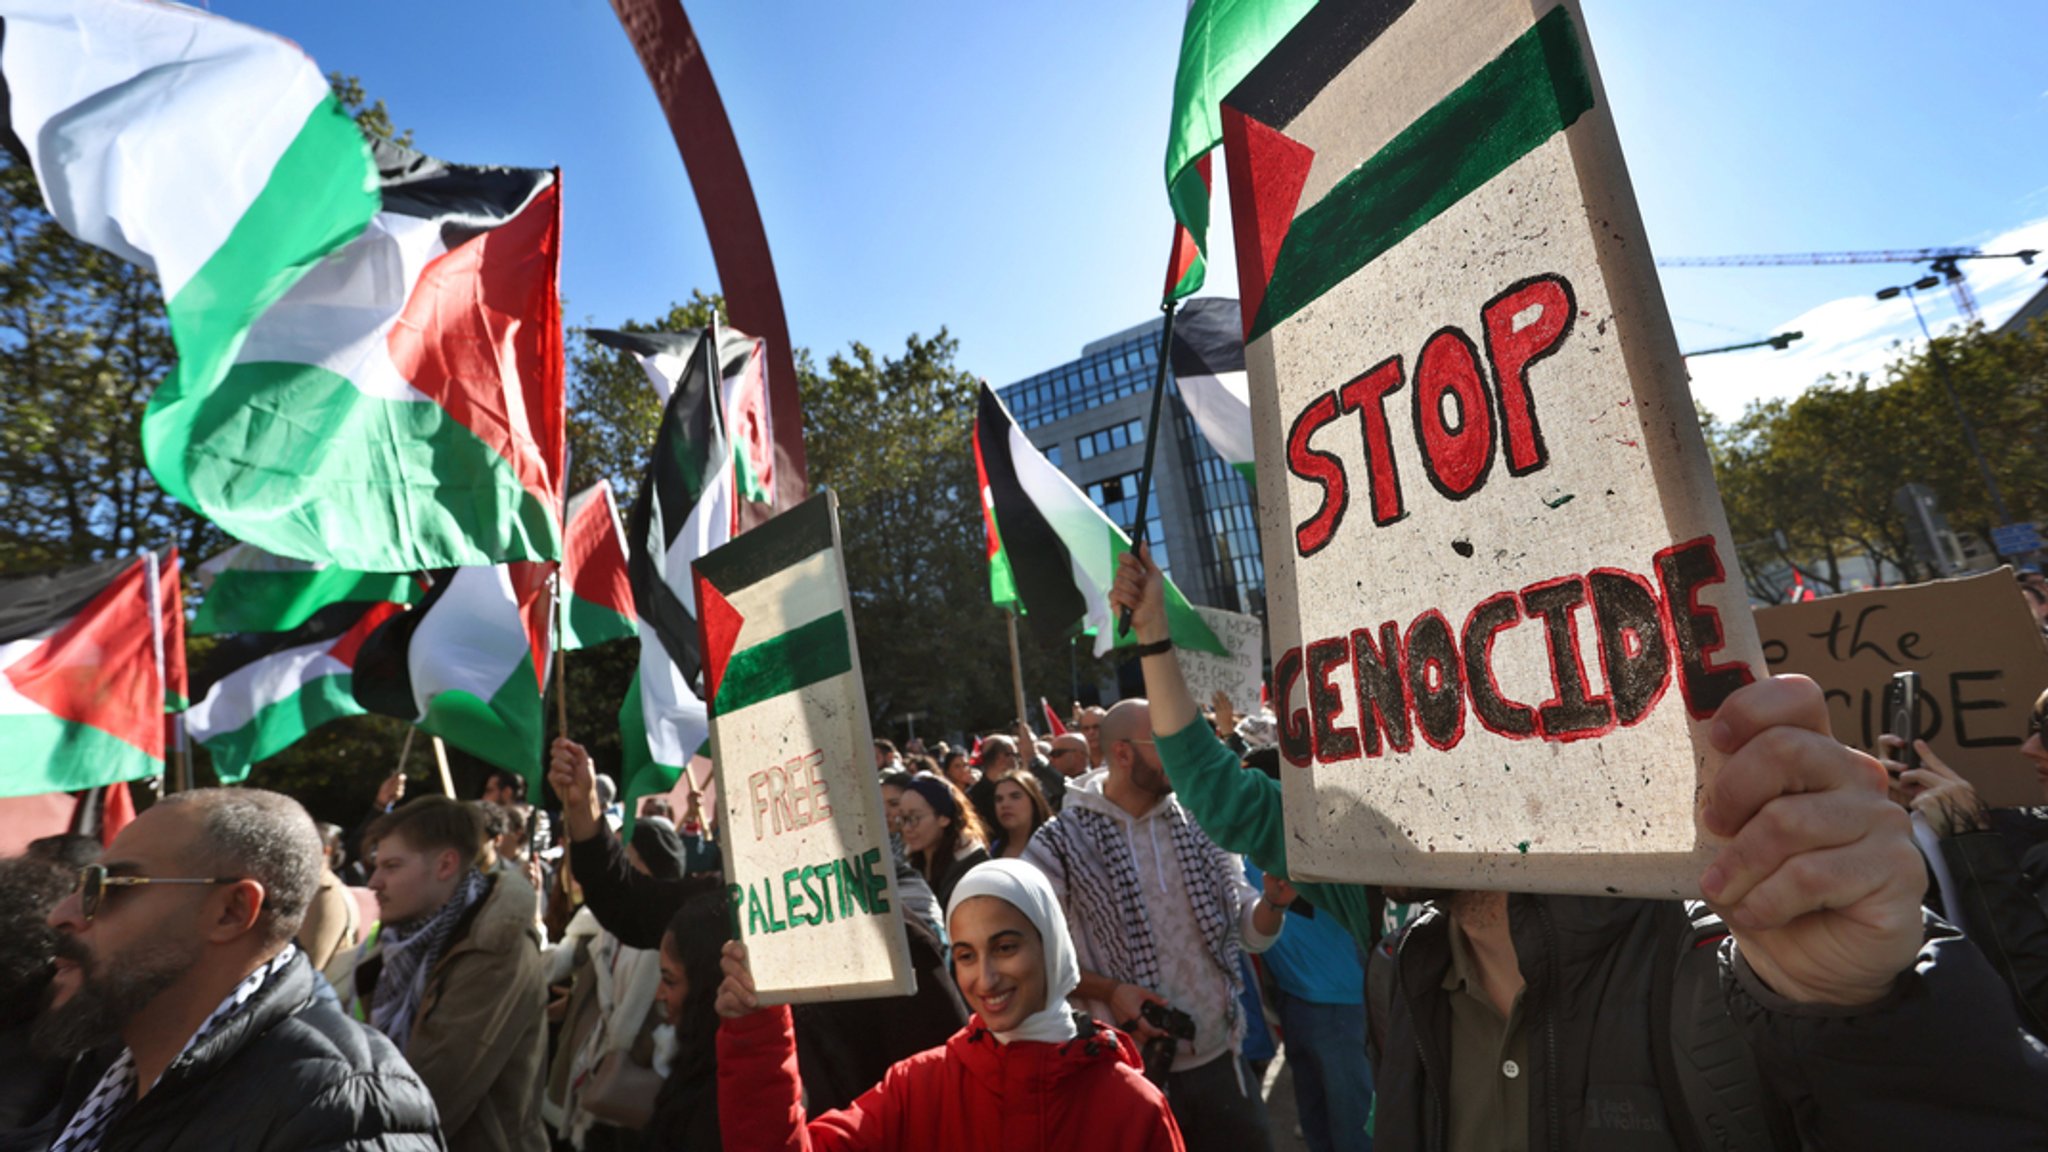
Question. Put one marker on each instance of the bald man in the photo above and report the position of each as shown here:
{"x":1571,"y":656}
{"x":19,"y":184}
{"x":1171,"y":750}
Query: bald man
{"x":1069,"y":755}
{"x":177,"y":953}
{"x":1160,"y":914}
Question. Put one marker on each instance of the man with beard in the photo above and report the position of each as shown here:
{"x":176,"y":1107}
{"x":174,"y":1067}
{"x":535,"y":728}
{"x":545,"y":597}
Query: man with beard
{"x":455,"y":977}
{"x":30,"y":1085}
{"x":179,"y":950}
{"x":1161,"y":916}
{"x":1831,"y":1014}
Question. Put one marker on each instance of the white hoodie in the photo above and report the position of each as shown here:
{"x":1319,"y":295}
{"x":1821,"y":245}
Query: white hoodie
{"x":1192,"y":981}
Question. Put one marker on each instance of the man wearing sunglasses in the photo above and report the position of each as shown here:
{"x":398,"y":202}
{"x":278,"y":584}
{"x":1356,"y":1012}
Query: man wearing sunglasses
{"x":177,"y":974}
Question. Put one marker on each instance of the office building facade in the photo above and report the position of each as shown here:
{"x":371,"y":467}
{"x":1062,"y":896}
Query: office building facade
{"x":1088,"y":416}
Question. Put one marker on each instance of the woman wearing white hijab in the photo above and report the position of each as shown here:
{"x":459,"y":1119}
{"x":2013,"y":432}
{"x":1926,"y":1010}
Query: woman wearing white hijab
{"x":1024,"y":1073}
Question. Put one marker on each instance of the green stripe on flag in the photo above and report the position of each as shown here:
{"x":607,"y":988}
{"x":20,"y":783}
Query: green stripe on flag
{"x":585,"y":624}
{"x":1523,"y":97}
{"x":505,"y":731}
{"x":296,"y":460}
{"x":1183,"y":623}
{"x":278,"y":726}
{"x":261,"y":601}
{"x":320,"y":195}
{"x":799,"y":657}
{"x":48,"y":754}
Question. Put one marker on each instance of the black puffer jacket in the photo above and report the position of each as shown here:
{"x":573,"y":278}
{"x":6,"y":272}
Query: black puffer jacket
{"x":1941,"y":1063}
{"x":2001,"y":880}
{"x":288,"y":1073}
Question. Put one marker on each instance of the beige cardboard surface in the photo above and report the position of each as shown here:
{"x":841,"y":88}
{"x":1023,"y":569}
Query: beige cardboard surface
{"x":1573,"y":575}
{"x":1972,"y":640}
{"x":810,"y":878}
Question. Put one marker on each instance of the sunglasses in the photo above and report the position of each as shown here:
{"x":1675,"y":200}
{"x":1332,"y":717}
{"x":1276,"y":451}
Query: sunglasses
{"x":2037,"y":724}
{"x":93,"y":882}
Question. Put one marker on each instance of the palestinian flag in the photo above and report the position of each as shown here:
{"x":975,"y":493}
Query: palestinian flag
{"x":1290,"y":251}
{"x":249,"y":590}
{"x":169,"y":594}
{"x":1221,"y":42}
{"x":208,"y":152}
{"x":687,"y":504}
{"x":261,"y":692}
{"x":1208,"y":366}
{"x":775,"y":614}
{"x":82,"y":676}
{"x":597,"y":600}
{"x":659,"y":732}
{"x":468,"y":664}
{"x":1068,"y":549}
{"x":400,"y":409}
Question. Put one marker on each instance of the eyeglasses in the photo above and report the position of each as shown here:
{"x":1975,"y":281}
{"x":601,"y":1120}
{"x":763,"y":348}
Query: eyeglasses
{"x":911,"y":819}
{"x":93,"y":883}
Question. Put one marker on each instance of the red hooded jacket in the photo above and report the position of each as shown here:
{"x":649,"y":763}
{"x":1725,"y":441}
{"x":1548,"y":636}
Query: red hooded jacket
{"x":975,"y":1093}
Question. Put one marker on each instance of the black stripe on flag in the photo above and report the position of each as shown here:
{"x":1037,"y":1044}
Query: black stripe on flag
{"x":1325,"y":42}
{"x":237,"y":651}
{"x":468,"y":199}
{"x":31,"y":604}
{"x":1038,"y":558}
{"x":8,"y":138}
{"x":1208,"y":337}
{"x":802,"y":532}
{"x":382,"y":680}
{"x":689,"y":449}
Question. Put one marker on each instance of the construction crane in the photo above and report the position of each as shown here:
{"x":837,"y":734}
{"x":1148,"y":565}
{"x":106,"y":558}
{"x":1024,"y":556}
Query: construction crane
{"x":1943,"y":262}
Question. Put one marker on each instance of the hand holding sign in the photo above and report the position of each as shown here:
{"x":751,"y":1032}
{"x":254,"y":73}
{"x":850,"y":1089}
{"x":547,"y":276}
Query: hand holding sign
{"x":736,"y":992}
{"x":1819,"y":879}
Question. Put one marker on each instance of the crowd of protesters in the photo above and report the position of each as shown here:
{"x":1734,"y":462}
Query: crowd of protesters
{"x":1107,"y":948}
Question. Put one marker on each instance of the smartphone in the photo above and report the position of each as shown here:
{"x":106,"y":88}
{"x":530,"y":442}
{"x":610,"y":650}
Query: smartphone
{"x":1902,"y":715}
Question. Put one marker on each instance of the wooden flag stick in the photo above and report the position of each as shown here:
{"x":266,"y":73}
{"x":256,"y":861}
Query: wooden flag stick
{"x":561,"y":666}
{"x":441,"y":758}
{"x":405,"y":752}
{"x":1016,"y":669}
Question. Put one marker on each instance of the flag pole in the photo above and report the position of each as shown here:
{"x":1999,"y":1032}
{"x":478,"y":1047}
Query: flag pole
{"x":1123,"y":623}
{"x":405,"y":752}
{"x":1016,"y":668}
{"x":441,"y":759}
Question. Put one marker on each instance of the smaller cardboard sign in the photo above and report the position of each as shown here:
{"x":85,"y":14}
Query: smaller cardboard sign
{"x":1237,"y":675}
{"x":1978,"y":651}
{"x":809,"y":876}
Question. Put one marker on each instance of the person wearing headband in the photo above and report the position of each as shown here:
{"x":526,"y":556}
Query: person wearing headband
{"x":1025,"y":1071}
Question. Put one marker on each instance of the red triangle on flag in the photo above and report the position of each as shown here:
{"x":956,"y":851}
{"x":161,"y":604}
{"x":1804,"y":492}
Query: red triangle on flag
{"x":1267,"y":173}
{"x":719,"y":625}
{"x":351,"y":641}
{"x":99,"y":667}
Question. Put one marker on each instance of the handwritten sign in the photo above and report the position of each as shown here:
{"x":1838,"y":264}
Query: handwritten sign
{"x":1496,"y":560}
{"x":810,"y":881}
{"x":1980,"y":658}
{"x":1237,"y":675}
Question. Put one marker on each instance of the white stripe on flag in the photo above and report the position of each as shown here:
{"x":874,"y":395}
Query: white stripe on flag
{"x":1222,"y":408}
{"x":167,"y":106}
{"x":788,"y":600}
{"x":677,"y":722}
{"x":471,"y":640}
{"x":1080,"y":525}
{"x":236,"y":698}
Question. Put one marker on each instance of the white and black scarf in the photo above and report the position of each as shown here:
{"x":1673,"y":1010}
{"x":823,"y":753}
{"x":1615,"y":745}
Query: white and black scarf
{"x":410,"y":951}
{"x":1104,"y":887}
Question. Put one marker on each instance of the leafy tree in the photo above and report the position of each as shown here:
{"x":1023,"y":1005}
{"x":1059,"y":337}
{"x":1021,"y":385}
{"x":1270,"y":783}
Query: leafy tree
{"x":1821,"y":471}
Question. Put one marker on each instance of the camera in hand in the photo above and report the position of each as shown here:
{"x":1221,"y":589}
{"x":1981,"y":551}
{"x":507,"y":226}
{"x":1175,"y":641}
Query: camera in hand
{"x":1158,"y":1051}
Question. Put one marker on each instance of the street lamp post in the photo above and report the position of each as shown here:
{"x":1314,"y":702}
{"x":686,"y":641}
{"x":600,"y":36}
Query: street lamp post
{"x":1954,"y":398}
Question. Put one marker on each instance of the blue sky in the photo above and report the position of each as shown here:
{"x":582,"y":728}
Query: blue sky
{"x":995,"y":168}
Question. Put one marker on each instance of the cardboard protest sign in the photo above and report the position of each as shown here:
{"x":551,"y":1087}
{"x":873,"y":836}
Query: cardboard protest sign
{"x":1494,"y":552}
{"x":1237,"y":675}
{"x":1972,"y":640}
{"x":809,"y":875}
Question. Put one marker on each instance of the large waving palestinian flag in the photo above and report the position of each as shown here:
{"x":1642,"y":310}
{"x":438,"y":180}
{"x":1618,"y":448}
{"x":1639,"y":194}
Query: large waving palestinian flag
{"x":83,"y":679}
{"x":688,"y":501}
{"x":400,"y":409}
{"x":1208,"y":367}
{"x":597,"y":597}
{"x":262,"y":692}
{"x":206,"y":151}
{"x":1050,"y":544}
{"x":249,"y":590}
{"x":1222,"y":40}
{"x":468,"y":664}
